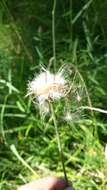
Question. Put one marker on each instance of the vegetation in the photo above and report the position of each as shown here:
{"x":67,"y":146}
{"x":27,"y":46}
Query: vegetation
{"x":28,"y":142}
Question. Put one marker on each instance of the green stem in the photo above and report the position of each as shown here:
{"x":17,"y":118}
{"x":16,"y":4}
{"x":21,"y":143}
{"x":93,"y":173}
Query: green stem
{"x":59,"y":143}
{"x":53,"y":34}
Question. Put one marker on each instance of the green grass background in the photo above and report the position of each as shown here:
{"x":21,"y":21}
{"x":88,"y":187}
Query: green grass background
{"x":28,"y":147}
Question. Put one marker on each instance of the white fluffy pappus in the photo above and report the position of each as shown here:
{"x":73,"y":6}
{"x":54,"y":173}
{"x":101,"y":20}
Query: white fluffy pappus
{"x":47,"y":87}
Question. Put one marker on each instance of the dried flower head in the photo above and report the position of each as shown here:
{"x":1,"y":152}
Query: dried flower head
{"x":65,"y":87}
{"x":47,"y":87}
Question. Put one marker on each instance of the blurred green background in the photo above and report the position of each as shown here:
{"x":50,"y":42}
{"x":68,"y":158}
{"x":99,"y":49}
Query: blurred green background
{"x":25,"y":45}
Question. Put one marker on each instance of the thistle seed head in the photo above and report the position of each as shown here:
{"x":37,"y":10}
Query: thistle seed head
{"x":66,"y":87}
{"x":47,"y":87}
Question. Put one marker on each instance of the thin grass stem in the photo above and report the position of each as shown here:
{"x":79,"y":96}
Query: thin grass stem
{"x":53,"y":34}
{"x":94,"y":109}
{"x":14,"y":150}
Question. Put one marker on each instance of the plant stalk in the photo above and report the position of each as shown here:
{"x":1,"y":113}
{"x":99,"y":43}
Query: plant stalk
{"x":53,"y":34}
{"x":59,"y":143}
